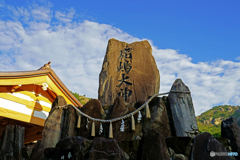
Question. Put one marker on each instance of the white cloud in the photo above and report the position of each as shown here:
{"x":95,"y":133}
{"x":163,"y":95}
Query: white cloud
{"x":77,"y":51}
{"x":65,"y":17}
{"x":41,"y":13}
{"x":238,"y":58}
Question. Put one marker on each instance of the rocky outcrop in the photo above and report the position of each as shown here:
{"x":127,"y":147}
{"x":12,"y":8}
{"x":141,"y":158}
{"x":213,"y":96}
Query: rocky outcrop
{"x":217,"y":121}
{"x":38,"y":151}
{"x":204,"y":144}
{"x":229,"y":109}
{"x":11,"y":143}
{"x":120,"y":109}
{"x":60,"y":123}
{"x":94,"y":109}
{"x":128,"y":70}
{"x":182,"y":110}
{"x":208,"y":121}
{"x":105,"y":148}
{"x":51,"y":133}
{"x":26,"y":152}
{"x":132,"y":149}
{"x":71,"y":147}
{"x":159,"y":118}
{"x":231,"y":130}
{"x":225,"y":142}
{"x":179,"y":157}
{"x":154,"y":146}
{"x":59,"y":101}
{"x":180,"y":145}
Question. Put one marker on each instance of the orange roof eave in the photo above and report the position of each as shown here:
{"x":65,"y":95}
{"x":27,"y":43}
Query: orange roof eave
{"x":50,"y":73}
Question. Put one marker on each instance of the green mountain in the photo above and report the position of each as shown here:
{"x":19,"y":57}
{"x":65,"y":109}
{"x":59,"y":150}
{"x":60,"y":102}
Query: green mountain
{"x":210,"y":121}
{"x":80,"y":98}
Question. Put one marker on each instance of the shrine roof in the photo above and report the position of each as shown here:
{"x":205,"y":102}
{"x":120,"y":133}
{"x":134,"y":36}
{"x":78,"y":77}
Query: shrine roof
{"x":15,"y":81}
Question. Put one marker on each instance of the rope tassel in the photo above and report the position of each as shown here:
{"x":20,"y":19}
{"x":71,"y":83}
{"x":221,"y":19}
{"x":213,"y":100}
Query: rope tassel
{"x":122,"y":126}
{"x":101,"y":129}
{"x":93,"y":129}
{"x":139,"y":116}
{"x":87,"y":123}
{"x":79,"y":121}
{"x":110,"y":130}
{"x":147,"y":111}
{"x":133,"y":123}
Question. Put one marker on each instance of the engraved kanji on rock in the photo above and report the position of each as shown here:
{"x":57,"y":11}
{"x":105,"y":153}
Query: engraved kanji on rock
{"x":128,"y":70}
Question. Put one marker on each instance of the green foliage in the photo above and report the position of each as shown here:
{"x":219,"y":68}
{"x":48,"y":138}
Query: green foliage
{"x":222,"y":111}
{"x":236,"y":115}
{"x":218,"y":134}
{"x":81,"y":99}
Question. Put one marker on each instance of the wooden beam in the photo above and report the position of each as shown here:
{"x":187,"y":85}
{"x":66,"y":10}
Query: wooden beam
{"x":33,"y":130}
{"x":15,"y":87}
{"x":30,"y":139}
{"x":29,"y":104}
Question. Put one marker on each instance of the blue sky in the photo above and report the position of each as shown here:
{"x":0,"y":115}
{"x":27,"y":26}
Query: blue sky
{"x":197,"y":41}
{"x":204,"y":30}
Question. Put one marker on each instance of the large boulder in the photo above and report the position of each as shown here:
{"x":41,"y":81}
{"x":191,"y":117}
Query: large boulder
{"x":205,"y":146}
{"x":231,"y":130}
{"x":59,"y":101}
{"x":159,"y":118}
{"x":182,"y":111}
{"x":51,"y":133}
{"x":128,"y":70}
{"x":94,"y":109}
{"x":225,"y":142}
{"x":132,"y":149}
{"x":154,"y":146}
{"x":26,"y":152}
{"x":11,"y":143}
{"x":180,"y":145}
{"x":71,"y":147}
{"x":179,"y":157}
{"x":121,"y":109}
{"x":60,"y":123}
{"x":37,"y":152}
{"x":105,"y":148}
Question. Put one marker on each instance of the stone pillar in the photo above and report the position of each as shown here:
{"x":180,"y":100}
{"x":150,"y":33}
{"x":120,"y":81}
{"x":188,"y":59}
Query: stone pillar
{"x":11,"y":143}
{"x":183,"y":114}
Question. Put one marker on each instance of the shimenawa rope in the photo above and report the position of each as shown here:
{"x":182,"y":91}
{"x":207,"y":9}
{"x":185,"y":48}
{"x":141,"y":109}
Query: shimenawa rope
{"x":120,"y":118}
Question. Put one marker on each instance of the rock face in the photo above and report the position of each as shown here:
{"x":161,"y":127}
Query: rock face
{"x":231,"y":130}
{"x":217,"y":121}
{"x":225,"y":142}
{"x":154,"y":146}
{"x":180,"y":145}
{"x":105,"y":148}
{"x":128,"y":70}
{"x":182,"y":111}
{"x":37,"y":153}
{"x":51,"y":133}
{"x":159,"y":118}
{"x":26,"y":152}
{"x":94,"y":109}
{"x":120,"y":109}
{"x":61,"y":123}
{"x":11,"y":143}
{"x":205,"y":143}
{"x":71,"y":147}
{"x":59,"y":101}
